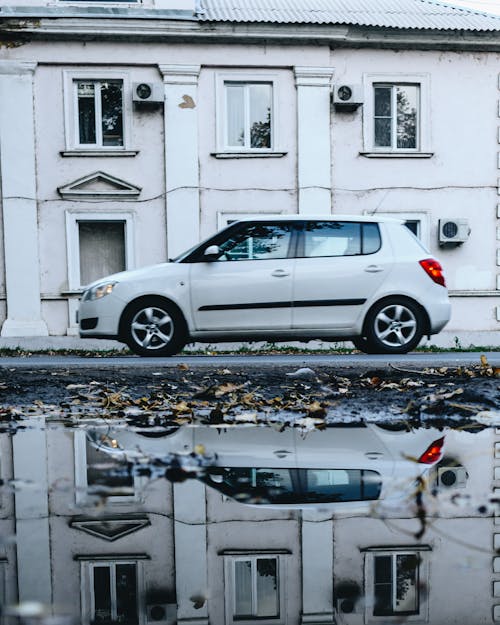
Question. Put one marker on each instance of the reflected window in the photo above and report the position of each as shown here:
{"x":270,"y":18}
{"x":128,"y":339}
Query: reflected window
{"x":113,"y":592}
{"x":108,"y":475}
{"x":99,"y":113}
{"x":396,"y":116}
{"x":394,"y":579}
{"x":296,"y":486}
{"x":396,"y":584}
{"x":254,"y":588}
{"x":257,"y":242}
{"x":248,"y":115}
{"x":99,"y":474}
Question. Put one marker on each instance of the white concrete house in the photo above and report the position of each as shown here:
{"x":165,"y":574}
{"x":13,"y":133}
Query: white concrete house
{"x":131,"y":130}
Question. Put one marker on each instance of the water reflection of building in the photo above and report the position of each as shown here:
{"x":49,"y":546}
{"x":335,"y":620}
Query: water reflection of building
{"x":164,"y":553}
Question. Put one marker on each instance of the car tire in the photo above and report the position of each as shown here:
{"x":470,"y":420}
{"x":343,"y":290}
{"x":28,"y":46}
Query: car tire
{"x":361,"y":344}
{"x":393,"y":326}
{"x":153,"y":327}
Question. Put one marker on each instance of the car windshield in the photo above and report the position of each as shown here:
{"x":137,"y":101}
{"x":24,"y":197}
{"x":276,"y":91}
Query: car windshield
{"x":296,"y":486}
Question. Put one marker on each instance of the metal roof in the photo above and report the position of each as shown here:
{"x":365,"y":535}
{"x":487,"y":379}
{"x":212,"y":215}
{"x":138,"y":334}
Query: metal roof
{"x":403,"y":14}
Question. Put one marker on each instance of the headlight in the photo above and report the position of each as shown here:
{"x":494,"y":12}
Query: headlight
{"x":98,"y":291}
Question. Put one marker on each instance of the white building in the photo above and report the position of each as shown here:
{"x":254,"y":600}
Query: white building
{"x":240,"y":112}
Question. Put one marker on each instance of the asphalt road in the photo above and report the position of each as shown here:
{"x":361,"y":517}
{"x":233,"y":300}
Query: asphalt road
{"x":413,"y":360}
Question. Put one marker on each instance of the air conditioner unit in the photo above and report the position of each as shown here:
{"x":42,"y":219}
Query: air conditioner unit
{"x":453,"y":232}
{"x":164,"y":613}
{"x":147,"y":93}
{"x":451,"y":477}
{"x":347,"y":97}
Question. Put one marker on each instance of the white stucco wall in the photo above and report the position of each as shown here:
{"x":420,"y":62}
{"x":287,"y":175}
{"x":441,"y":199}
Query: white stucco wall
{"x":459,"y":179}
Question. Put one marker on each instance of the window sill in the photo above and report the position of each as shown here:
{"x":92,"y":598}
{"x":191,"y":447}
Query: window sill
{"x":397,"y":154}
{"x":99,"y":153}
{"x":248,"y":154}
{"x":472,"y":293}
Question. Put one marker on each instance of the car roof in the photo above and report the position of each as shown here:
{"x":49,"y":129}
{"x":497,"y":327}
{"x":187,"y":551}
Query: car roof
{"x":330,"y":217}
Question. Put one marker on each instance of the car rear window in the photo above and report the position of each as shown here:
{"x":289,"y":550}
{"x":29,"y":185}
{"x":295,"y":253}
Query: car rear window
{"x":336,"y":238}
{"x":296,"y":486}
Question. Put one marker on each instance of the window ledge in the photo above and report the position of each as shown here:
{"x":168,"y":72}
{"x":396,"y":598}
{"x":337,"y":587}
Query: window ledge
{"x":99,"y":153}
{"x":397,"y":154}
{"x":248,"y":154}
{"x":69,"y":293}
{"x":471,"y":293}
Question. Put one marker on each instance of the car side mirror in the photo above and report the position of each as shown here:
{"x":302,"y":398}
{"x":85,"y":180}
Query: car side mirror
{"x":211,"y":253}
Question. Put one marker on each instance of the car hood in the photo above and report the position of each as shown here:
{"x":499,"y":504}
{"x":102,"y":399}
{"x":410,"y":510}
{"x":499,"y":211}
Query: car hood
{"x":132,"y":275}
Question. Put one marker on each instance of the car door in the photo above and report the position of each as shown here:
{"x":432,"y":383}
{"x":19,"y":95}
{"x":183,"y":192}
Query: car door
{"x":340,"y":266}
{"x":249,"y":285}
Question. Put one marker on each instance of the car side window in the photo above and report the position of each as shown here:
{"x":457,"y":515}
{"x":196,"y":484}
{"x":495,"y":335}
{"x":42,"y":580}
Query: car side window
{"x":332,"y":238}
{"x":335,"y":238}
{"x":257,"y":242}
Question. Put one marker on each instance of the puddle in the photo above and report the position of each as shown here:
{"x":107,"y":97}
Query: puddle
{"x":109,"y":522}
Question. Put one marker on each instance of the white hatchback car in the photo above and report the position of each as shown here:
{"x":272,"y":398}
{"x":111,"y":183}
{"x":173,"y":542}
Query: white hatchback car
{"x":364,"y":279}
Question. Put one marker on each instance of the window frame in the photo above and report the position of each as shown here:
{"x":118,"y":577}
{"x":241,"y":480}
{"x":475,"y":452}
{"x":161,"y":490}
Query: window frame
{"x":73,"y":218}
{"x":82,"y":496}
{"x":87,"y":595}
{"x":422,"y":81}
{"x":222,"y":78}
{"x":71,"y":121}
{"x":229,"y":587}
{"x":422,"y":217}
{"x":420,"y":552}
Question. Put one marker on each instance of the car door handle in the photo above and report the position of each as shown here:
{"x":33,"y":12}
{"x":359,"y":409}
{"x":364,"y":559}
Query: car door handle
{"x":282,"y":453}
{"x":374,"y":455}
{"x":280,"y":273}
{"x":373,"y":269}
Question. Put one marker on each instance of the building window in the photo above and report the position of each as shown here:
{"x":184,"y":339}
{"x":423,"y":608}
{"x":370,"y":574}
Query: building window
{"x":254,"y":585}
{"x":111,"y":591}
{"x":98,"y":245}
{"x":248,"y":115}
{"x":416,"y":221}
{"x":97,"y":111}
{"x":101,"y":249}
{"x":99,"y":108}
{"x":394,"y":581}
{"x":396,"y":119}
{"x":396,"y":116}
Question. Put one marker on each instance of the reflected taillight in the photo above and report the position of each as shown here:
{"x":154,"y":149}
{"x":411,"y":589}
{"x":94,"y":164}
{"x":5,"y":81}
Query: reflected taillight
{"x":433,"y":453}
{"x":434,"y":270}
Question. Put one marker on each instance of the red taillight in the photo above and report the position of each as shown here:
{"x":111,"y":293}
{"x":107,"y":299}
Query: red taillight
{"x":433,"y":453}
{"x":434,"y":270}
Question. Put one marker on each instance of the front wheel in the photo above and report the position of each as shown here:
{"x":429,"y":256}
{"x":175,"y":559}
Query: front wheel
{"x":153,"y":327}
{"x":393,"y":326}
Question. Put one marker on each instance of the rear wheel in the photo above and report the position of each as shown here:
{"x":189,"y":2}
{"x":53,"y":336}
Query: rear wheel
{"x":393,"y":326}
{"x":153,"y":327}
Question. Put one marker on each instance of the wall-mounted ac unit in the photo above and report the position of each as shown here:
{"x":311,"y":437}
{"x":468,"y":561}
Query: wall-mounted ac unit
{"x":453,"y":231}
{"x":162,"y":613}
{"x":451,"y":477}
{"x":347,"y":97}
{"x":147,"y":93}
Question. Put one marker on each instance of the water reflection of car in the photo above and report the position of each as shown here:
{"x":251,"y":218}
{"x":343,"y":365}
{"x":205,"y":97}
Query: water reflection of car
{"x":340,"y":466}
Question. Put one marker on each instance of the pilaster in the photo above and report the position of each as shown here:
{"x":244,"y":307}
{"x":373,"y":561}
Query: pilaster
{"x":314,"y":158}
{"x":191,"y":553}
{"x":19,"y":204}
{"x":317,"y":569}
{"x":181,"y":156}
